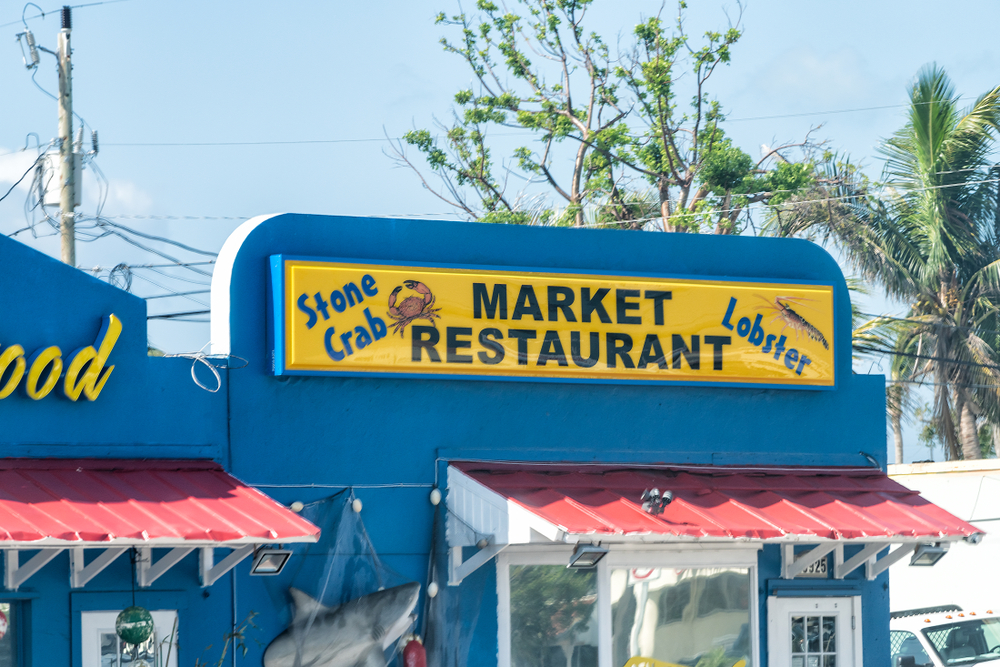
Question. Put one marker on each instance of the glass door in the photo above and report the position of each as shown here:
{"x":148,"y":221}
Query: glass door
{"x":814,"y":632}
{"x":101,"y":646}
{"x":681,"y":616}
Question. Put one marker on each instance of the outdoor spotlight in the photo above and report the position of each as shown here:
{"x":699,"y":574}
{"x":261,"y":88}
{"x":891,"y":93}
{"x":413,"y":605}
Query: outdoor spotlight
{"x":928,"y":554}
{"x":268,"y":562}
{"x":654,"y":502}
{"x":586,"y":556}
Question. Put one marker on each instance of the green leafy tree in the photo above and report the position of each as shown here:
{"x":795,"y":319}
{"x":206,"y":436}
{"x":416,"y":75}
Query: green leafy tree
{"x":931,"y":237}
{"x":612,"y":142}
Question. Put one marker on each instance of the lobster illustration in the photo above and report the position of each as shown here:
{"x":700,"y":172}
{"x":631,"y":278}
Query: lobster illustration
{"x":781,"y":310}
{"x":419,"y":306}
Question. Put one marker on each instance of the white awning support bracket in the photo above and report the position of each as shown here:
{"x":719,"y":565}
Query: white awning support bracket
{"x":792,"y":564}
{"x":458,"y":570}
{"x":80,"y":572}
{"x":875,"y":568}
{"x":148,"y":571}
{"x":869,"y":552}
{"x":15,"y":575}
{"x":211,"y":572}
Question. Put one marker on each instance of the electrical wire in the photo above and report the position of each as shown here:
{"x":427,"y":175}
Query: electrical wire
{"x":146,"y":266}
{"x":499,"y":134}
{"x":930,"y":324}
{"x":161,"y":239}
{"x":168,"y":316}
{"x":18,"y":182}
{"x":43,"y":14}
{"x":913,"y":355}
{"x":176,"y":294}
{"x":182,"y":278}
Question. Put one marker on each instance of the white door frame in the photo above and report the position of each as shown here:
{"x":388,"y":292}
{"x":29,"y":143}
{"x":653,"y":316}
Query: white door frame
{"x":781,"y":609}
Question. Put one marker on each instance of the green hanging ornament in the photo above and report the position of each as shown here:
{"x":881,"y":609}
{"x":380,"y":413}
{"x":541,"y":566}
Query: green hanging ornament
{"x":134,"y":625}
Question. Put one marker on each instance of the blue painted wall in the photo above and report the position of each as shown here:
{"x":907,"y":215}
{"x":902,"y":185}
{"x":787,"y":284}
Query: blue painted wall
{"x":148,"y":402}
{"x":304,"y":438}
{"x":385,"y":431}
{"x":149,"y":408}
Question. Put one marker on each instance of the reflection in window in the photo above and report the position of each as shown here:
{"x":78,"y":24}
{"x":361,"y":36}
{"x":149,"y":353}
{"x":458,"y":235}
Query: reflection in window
{"x":116,"y":653}
{"x":695,"y":617}
{"x":814,"y":641}
{"x":552,"y":616}
{"x":9,"y":624}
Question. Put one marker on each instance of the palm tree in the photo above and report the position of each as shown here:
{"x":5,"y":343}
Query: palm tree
{"x":932,"y":239}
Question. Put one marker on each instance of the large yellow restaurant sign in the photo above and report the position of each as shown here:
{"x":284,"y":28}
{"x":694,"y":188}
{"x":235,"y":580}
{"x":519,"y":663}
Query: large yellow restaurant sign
{"x":338,"y":317}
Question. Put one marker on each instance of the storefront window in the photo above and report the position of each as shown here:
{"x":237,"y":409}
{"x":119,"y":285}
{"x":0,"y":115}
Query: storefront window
{"x":101,"y":646}
{"x":10,"y":624}
{"x":553,"y":620}
{"x":695,"y":617}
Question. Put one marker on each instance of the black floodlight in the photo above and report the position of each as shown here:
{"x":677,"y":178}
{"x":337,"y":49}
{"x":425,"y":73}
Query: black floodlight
{"x":585,"y":556}
{"x":928,"y":554}
{"x":268,"y":562}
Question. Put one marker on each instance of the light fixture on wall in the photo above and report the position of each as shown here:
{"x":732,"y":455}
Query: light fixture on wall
{"x":586,"y":556}
{"x":928,"y":554}
{"x":268,"y":561}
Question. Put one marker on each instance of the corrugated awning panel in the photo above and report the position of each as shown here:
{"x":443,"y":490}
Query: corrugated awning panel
{"x":738,"y":502}
{"x":76,"y":502}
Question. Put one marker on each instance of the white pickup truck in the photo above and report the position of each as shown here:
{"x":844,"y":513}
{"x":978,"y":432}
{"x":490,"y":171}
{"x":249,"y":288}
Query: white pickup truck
{"x":944,"y":637}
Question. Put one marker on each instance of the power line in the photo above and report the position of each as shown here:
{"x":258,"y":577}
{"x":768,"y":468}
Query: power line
{"x":175,"y":294}
{"x":23,"y":176}
{"x":912,"y":355}
{"x":54,"y":11}
{"x":930,"y":324}
{"x":499,"y":134}
{"x":170,"y":316}
{"x":145,"y":266}
{"x":177,"y":217}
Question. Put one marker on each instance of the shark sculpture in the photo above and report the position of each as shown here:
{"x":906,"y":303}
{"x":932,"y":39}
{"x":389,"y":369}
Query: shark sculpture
{"x":355,"y":634}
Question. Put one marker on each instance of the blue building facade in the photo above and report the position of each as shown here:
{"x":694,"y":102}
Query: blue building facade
{"x":390,"y":440}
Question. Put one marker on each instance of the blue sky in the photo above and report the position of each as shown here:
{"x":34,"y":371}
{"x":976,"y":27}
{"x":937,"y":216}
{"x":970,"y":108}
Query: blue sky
{"x":345,"y":74}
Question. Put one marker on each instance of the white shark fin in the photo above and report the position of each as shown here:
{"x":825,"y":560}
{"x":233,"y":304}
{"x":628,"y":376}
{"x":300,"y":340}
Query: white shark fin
{"x":306,"y":605}
{"x":374,"y":658}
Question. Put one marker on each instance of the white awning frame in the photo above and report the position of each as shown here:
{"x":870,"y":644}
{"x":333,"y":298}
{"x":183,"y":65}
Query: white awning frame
{"x":81,"y":571}
{"x":481,"y":517}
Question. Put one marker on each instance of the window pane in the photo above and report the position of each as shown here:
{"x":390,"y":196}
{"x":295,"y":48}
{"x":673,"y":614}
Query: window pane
{"x":829,"y":634}
{"x":552,"y":616}
{"x":8,"y":643}
{"x":798,"y":634}
{"x":812,"y":633}
{"x":109,"y":649}
{"x":685,"y":617}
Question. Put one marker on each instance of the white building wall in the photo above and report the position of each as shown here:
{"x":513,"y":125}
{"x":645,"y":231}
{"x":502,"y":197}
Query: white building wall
{"x":967,"y":575}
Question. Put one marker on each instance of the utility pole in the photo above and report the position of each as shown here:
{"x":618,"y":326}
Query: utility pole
{"x":67,"y":160}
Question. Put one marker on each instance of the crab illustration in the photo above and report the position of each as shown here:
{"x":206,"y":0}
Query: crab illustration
{"x":412,"y":307}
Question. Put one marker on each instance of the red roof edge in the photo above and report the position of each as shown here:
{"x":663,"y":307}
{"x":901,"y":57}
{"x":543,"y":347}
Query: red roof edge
{"x":14,"y":463}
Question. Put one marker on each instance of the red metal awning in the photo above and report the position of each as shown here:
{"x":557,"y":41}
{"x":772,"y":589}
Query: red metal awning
{"x":777,"y":504}
{"x":111,"y":502}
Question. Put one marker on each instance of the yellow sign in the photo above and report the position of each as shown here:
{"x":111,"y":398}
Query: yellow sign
{"x":339,"y":317}
{"x":86,"y":373}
